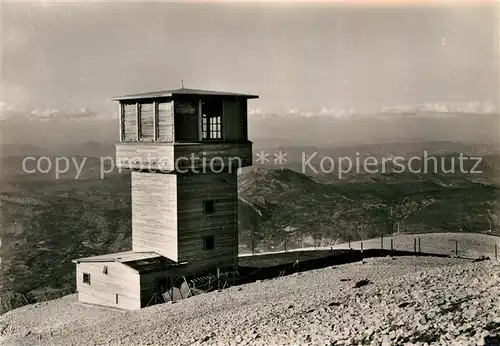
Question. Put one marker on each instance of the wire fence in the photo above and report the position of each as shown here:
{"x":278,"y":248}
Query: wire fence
{"x":465,"y":245}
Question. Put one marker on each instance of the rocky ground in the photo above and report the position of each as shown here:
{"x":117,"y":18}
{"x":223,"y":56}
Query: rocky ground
{"x":412,"y":301}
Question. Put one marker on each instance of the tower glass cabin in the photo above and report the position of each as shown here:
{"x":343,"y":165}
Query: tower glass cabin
{"x":184,"y":147}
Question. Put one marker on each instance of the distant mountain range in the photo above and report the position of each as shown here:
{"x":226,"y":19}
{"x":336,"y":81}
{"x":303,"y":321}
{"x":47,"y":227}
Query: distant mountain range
{"x":291,"y":146}
{"x":89,"y":149}
{"x":473,"y":107}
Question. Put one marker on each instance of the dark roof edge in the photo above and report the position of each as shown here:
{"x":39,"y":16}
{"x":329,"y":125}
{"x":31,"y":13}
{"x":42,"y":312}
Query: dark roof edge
{"x":181,"y":92}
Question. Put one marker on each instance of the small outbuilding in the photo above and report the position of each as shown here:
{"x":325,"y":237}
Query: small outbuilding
{"x":126,"y":280}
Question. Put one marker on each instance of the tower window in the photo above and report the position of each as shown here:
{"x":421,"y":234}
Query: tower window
{"x":208,"y":243}
{"x":86,"y":278}
{"x":208,"y":206}
{"x":211,"y":117}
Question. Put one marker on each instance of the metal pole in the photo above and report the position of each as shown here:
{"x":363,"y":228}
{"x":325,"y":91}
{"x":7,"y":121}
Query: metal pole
{"x":456,"y":248}
{"x":414,"y":244}
{"x":349,"y":240}
{"x":297,"y":261}
{"x":419,"y":248}
{"x":381,"y":242}
{"x":496,"y":251}
{"x":218,"y":279}
{"x":253,"y":242}
{"x":285,"y":243}
{"x":172,"y":287}
{"x":166,"y":281}
{"x":392,"y":244}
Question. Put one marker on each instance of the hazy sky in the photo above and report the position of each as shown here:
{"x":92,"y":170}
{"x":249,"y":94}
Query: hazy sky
{"x":70,"y":56}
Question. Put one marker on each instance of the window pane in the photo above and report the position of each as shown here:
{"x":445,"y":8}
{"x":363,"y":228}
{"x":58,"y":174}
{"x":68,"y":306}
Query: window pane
{"x":212,"y":127}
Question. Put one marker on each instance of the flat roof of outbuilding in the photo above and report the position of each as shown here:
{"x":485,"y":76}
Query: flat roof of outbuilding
{"x":124,"y":256}
{"x":138,"y":261}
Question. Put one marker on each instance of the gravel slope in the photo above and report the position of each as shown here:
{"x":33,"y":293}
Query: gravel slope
{"x":408,"y":301}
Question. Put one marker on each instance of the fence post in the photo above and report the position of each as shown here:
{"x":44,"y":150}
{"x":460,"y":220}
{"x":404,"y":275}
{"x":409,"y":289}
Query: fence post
{"x":414,"y":244}
{"x":172,"y":288}
{"x":382,"y":242}
{"x":392,"y":245}
{"x":419,"y":248}
{"x":349,"y":240}
{"x":496,"y":252}
{"x":456,"y":248}
{"x":285,"y":243}
{"x":297,"y":261}
{"x":218,"y":278}
{"x":361,"y":247}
